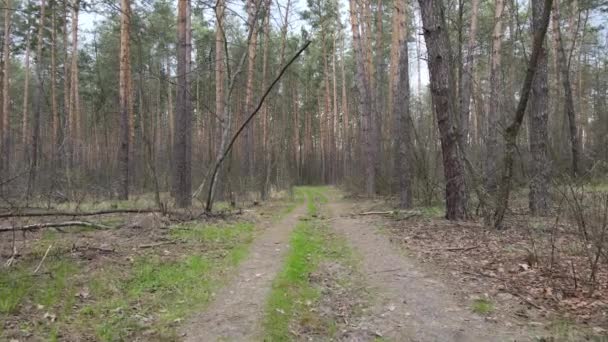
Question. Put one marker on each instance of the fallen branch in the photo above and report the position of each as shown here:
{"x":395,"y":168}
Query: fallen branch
{"x":79,"y":213}
{"x":43,"y":258}
{"x":464,"y":249}
{"x":528,"y":301}
{"x":152,"y":245}
{"x":390,"y":212}
{"x":36,"y":226}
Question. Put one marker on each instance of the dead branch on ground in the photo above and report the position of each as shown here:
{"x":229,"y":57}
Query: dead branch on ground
{"x":37,"y":226}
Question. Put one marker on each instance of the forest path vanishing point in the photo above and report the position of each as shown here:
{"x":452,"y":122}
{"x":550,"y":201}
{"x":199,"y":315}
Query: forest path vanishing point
{"x":409,"y":304}
{"x":237,"y":311}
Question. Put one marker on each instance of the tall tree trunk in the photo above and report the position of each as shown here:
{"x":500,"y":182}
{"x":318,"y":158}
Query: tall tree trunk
{"x":378,"y":101}
{"x":125,"y":108}
{"x":564,"y":69}
{"x":334,"y":119}
{"x":443,"y":85}
{"x":346,"y":151}
{"x":541,"y":13}
{"x":249,"y":140}
{"x":6,"y":97}
{"x":365,"y":108}
{"x":25,"y":134}
{"x":467,"y":75}
{"x":67,"y":132}
{"x":495,"y":101}
{"x":401,"y":114}
{"x":539,"y":197}
{"x":170,"y":112}
{"x":182,"y":148}
{"x":324,"y":120}
{"x":219,"y":63}
{"x":38,"y":104}
{"x":394,"y":54}
{"x":267,"y":135}
{"x":54,"y":109}
{"x":74,"y":91}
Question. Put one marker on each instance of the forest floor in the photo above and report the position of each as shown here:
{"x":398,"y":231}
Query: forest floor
{"x":309,"y":268}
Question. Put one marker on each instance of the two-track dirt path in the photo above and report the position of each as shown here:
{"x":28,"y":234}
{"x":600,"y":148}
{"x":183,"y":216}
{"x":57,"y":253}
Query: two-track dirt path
{"x":237,"y":310}
{"x":409,"y":304}
{"x":406,"y":303}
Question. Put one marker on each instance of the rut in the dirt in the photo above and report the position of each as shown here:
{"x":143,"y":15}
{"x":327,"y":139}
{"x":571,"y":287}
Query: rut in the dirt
{"x":409,"y":304}
{"x":237,"y":311}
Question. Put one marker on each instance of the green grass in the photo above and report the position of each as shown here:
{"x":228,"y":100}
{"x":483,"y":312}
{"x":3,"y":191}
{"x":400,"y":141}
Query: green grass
{"x":152,"y":294}
{"x":292,"y":294}
{"x":482,"y":306}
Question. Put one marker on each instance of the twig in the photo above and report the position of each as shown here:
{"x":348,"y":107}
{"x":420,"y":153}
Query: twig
{"x":377,"y":213}
{"x":151,"y":245}
{"x":530,"y":302}
{"x":464,"y":249}
{"x":43,"y":258}
{"x":36,"y":226}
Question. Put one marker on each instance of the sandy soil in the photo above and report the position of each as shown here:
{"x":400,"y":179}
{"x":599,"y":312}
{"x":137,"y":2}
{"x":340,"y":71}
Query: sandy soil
{"x":410,"y":304}
{"x":237,"y":311}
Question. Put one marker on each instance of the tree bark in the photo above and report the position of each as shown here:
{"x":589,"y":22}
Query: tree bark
{"x":182,"y":148}
{"x":25,"y":134}
{"x":495,"y":101}
{"x":54,"y":109}
{"x":540,"y":23}
{"x":125,"y":108}
{"x":6,"y":97}
{"x":74,"y":114}
{"x":249,"y":140}
{"x":564,"y":69}
{"x":365,"y":107}
{"x":38,"y":103}
{"x":401,"y":114}
{"x":443,"y":85}
{"x":539,"y":197}
{"x":467,"y":75}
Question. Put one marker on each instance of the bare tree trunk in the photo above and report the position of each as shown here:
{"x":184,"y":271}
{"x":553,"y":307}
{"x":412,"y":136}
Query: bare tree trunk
{"x":394,"y":54}
{"x":25,"y":134}
{"x":495,"y":101}
{"x":266,"y":133}
{"x":6,"y":97}
{"x":249,"y":140}
{"x":378,"y":103}
{"x":365,"y":108}
{"x":443,"y":86}
{"x":346,"y":123}
{"x":539,"y":197}
{"x":74,"y":91}
{"x":67,"y":132}
{"x":334,"y":119}
{"x":170,"y":111}
{"x":541,"y":14}
{"x":54,"y":108}
{"x":467,"y":75}
{"x":125,"y":108}
{"x":38,"y":104}
{"x":564,"y":69}
{"x":401,"y":114}
{"x":183,"y":115}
